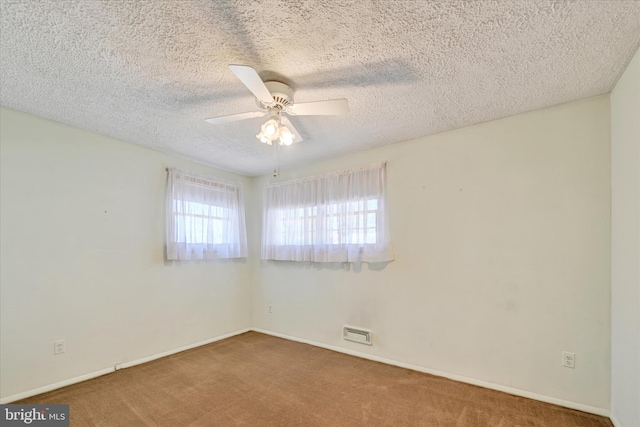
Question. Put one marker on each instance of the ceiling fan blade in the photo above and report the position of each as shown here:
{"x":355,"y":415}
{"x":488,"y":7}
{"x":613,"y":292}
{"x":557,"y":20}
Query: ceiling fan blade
{"x":287,"y":123}
{"x":250,"y":78}
{"x":332,"y":107}
{"x":235,"y":117}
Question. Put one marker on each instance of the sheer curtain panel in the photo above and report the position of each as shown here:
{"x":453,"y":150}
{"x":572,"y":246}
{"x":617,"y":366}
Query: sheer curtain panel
{"x":334,"y":217}
{"x":205,"y":218}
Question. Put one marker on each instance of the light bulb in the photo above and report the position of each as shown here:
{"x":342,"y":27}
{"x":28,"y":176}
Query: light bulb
{"x":270,"y":129}
{"x":286,"y":137}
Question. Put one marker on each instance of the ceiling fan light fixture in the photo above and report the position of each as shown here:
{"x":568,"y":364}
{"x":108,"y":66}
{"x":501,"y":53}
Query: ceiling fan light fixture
{"x":286,"y":137}
{"x":270,"y":129}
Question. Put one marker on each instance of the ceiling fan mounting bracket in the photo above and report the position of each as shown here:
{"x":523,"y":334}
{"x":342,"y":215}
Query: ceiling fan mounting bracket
{"x":281,"y":93}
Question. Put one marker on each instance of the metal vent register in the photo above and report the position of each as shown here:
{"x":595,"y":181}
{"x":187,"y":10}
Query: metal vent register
{"x":361,"y":336}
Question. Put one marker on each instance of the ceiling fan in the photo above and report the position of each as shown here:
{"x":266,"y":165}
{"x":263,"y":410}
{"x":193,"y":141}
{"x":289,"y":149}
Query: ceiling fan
{"x":275,"y":98}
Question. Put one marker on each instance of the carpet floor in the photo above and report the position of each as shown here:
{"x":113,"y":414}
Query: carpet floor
{"x":259,"y":380}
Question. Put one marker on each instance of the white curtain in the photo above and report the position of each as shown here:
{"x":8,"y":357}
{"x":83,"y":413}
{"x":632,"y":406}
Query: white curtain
{"x":205,"y":218}
{"x":334,"y":217}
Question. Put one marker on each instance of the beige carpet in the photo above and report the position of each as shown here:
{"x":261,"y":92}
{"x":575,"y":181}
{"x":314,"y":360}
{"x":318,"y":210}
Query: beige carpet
{"x":258,"y":380}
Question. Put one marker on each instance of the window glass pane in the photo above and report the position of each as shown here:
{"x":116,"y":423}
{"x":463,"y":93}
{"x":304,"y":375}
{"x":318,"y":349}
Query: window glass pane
{"x":371,"y":235}
{"x":371,"y":220}
{"x":333,"y":223}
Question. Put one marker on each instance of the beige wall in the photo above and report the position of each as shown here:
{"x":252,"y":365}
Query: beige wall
{"x":82,"y":240}
{"x":502,"y":237}
{"x":501,"y":233}
{"x":625,"y":247}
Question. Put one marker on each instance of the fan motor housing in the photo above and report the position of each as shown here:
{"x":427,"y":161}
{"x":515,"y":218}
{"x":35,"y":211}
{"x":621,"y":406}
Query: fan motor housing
{"x":282,"y":95}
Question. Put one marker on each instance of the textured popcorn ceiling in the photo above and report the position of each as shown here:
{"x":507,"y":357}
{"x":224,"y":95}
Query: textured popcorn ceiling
{"x":150,"y":72}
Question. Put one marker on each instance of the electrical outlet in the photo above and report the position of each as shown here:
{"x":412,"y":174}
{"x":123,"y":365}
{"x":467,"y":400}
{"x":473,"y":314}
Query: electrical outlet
{"x":270,"y":309}
{"x":58,"y":347}
{"x":568,"y":359}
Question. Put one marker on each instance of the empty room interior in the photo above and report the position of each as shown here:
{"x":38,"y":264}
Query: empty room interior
{"x":321,"y":213}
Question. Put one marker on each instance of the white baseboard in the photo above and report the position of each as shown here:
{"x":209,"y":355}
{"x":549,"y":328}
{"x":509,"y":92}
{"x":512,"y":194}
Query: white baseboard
{"x":616,"y":422}
{"x":485,"y":384}
{"x":55,"y":386}
{"x":105,"y":371}
{"x":186,"y":347}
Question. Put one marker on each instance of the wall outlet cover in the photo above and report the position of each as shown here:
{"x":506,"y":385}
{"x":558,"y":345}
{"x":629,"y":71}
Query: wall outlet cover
{"x":568,"y":359}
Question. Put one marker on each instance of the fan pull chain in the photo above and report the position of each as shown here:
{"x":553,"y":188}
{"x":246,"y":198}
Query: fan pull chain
{"x":276,"y":159}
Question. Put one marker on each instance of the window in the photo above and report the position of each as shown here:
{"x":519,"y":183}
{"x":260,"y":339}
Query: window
{"x":205,"y":218}
{"x":336,"y":217}
{"x":201,"y":223}
{"x":362,"y":217}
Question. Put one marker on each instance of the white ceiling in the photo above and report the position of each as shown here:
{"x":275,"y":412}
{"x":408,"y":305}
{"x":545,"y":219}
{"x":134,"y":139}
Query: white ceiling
{"x":150,"y":72}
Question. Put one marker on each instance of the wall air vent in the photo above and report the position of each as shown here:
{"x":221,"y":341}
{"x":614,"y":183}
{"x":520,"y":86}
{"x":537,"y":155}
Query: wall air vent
{"x":361,"y":336}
